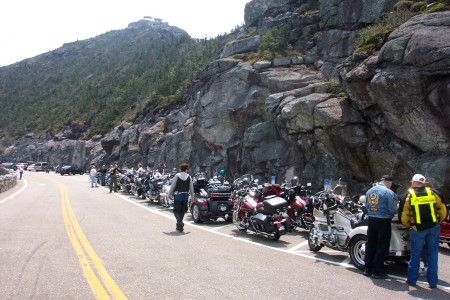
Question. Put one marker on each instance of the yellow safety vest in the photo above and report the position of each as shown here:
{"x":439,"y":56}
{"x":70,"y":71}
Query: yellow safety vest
{"x":421,"y":200}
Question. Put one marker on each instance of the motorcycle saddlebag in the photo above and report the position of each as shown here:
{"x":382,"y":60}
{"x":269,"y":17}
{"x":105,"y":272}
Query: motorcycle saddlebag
{"x":262,"y":223}
{"x":273,"y":204}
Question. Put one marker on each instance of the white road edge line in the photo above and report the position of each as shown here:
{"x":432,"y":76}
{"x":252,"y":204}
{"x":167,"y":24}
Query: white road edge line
{"x":16,"y":193}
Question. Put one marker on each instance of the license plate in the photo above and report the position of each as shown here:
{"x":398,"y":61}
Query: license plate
{"x":223,"y":208}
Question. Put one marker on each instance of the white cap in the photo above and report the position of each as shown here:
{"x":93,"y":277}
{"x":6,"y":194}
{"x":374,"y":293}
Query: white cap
{"x":419,"y":178}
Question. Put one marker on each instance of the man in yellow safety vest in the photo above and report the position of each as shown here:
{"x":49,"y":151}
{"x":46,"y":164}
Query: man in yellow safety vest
{"x":422,"y":214}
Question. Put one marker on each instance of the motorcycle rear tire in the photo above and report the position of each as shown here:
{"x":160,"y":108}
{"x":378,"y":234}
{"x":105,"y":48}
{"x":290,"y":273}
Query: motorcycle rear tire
{"x":196,"y":214}
{"x":354,"y":250}
{"x":275,"y":237}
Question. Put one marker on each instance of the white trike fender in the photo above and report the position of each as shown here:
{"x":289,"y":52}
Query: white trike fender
{"x":357,"y":231}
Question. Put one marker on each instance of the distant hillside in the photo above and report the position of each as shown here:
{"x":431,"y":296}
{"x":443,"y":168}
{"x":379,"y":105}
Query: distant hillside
{"x":94,"y":84}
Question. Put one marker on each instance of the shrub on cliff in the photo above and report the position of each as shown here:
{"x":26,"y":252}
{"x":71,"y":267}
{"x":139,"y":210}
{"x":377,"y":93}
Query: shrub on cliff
{"x":371,"y":38}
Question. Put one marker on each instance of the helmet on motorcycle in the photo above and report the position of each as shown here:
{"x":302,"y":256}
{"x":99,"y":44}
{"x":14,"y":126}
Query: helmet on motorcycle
{"x":222,"y":172}
{"x":295,"y":181}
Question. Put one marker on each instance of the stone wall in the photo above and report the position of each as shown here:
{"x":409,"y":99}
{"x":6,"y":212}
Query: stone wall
{"x":8,"y":179}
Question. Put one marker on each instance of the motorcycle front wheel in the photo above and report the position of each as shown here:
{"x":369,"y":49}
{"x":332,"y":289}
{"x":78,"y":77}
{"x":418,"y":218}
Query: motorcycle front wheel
{"x":161,"y":200}
{"x":313,"y":242}
{"x":357,"y":251}
{"x":239,"y":222}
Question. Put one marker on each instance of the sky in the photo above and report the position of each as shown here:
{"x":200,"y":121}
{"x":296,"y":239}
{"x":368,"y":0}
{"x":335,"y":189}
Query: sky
{"x":32,"y":27}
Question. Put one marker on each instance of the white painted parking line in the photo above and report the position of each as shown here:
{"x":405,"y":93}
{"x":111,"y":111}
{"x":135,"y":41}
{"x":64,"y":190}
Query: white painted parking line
{"x":321,"y":251}
{"x":346,"y":261}
{"x":222,"y":227}
{"x":298,"y":246}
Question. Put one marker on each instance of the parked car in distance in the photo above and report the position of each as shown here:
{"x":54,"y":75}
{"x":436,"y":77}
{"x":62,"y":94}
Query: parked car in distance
{"x":31,"y":167}
{"x":8,"y":165}
{"x":70,"y":170}
{"x":41,"y":166}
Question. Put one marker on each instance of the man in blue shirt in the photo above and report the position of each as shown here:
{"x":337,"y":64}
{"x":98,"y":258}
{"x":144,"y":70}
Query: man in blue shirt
{"x":381,"y":205}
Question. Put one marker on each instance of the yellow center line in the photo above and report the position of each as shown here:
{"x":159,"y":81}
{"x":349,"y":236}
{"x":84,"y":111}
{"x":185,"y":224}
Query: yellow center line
{"x":82,"y":247}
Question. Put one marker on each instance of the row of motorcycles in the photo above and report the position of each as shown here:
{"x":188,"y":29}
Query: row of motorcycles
{"x":333,"y":220}
{"x":152,"y":185}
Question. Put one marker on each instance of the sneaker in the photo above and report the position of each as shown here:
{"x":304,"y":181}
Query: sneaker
{"x":432,"y":286}
{"x":181,"y":227}
{"x":423,"y":272}
{"x":367,"y":272}
{"x":379,"y":275}
{"x":178,"y":227}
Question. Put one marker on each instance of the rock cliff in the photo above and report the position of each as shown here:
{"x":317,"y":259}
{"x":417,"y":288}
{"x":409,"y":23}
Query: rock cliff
{"x":326,"y":113}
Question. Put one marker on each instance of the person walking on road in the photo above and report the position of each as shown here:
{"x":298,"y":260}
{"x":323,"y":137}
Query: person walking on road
{"x":103,"y":172}
{"x":180,"y":188}
{"x":93,"y":176}
{"x":113,"y":172}
{"x":381,"y":204}
{"x":422,"y":213}
{"x":20,"y":172}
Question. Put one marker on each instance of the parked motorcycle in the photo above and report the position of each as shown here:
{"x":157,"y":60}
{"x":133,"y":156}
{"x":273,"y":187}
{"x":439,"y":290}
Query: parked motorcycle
{"x":300,"y":209}
{"x":153,"y":184}
{"x":163,"y":198}
{"x":267,"y":218}
{"x":137,"y":187}
{"x":340,"y":225}
{"x":445,"y":228}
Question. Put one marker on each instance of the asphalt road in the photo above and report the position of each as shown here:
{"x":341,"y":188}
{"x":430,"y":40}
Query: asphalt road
{"x":62,"y":239}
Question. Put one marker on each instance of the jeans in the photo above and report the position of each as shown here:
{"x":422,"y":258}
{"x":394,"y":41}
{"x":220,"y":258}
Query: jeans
{"x":103,"y":179}
{"x":93,"y":181}
{"x":378,"y":242}
{"x":417,"y":239}
{"x":179,"y":209}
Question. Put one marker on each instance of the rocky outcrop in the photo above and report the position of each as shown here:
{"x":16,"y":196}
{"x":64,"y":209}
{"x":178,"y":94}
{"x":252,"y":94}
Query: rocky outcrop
{"x":241,"y":46}
{"x":403,"y":91}
{"x":255,"y":10}
{"x":347,"y":14}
